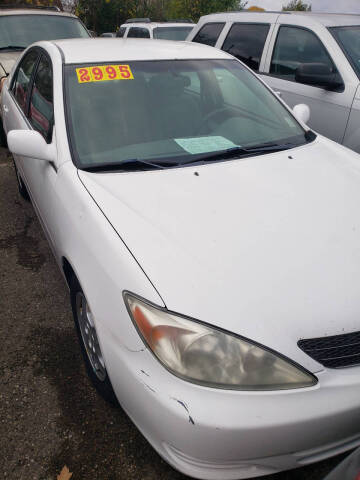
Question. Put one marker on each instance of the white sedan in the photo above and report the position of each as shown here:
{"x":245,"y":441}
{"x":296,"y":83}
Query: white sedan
{"x":210,"y":242}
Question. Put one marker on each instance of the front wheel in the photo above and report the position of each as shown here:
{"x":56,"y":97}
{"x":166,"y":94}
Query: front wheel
{"x":89,"y":343}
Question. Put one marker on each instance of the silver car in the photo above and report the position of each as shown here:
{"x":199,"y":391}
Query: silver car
{"x":307,"y":57}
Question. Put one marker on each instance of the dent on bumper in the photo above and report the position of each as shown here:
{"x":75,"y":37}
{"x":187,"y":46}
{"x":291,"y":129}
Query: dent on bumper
{"x":216,"y":434}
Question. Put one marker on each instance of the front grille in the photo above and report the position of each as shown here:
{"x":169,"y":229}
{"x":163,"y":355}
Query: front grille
{"x":338,"y":351}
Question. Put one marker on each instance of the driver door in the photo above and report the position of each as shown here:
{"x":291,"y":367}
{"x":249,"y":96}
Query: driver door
{"x":15,"y":101}
{"x":30,"y":107}
{"x":293,"y":46}
{"x":41,"y":175}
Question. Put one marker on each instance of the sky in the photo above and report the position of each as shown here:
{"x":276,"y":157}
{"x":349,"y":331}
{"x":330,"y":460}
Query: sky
{"x":331,"y":6}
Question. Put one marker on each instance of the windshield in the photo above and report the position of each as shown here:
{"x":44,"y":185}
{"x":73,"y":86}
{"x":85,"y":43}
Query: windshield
{"x":172,"y":33}
{"x":170,"y":111}
{"x":23,"y":30}
{"x":349,"y":40}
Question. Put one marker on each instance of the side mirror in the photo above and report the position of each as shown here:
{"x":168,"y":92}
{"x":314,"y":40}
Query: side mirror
{"x":302,"y":112}
{"x":318,"y":75}
{"x":29,"y":143}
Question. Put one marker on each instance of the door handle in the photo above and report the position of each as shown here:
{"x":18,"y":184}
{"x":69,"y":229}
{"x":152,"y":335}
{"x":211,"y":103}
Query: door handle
{"x":6,"y":109}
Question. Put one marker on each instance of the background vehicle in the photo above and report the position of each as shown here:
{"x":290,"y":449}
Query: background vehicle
{"x":145,"y":28}
{"x":19,"y":27}
{"x":309,"y":58}
{"x":210,"y":242}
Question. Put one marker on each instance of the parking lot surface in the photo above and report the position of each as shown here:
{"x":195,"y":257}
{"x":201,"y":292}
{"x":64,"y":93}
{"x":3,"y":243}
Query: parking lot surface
{"x":50,"y":414}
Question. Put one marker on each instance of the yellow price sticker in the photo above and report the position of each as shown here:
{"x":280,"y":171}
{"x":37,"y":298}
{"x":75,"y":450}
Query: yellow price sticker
{"x":104,"y":73}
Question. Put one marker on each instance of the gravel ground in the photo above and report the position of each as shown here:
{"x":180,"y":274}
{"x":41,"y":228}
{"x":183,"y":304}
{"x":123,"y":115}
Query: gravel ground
{"x":50,"y":415}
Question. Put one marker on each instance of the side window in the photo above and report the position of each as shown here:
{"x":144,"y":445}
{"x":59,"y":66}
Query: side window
{"x":121,"y":32}
{"x":295,"y":46}
{"x":138,"y":32}
{"x":23,"y":77}
{"x":41,"y":114}
{"x":209,"y":34}
{"x":246,"y":42}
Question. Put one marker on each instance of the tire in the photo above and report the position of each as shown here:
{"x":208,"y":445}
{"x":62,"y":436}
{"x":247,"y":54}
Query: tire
{"x":87,"y":336}
{"x":3,"y":142}
{"x":21,"y":186}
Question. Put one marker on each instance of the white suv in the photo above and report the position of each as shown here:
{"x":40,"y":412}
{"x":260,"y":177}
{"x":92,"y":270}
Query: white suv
{"x":145,"y":28}
{"x":307,"y":57}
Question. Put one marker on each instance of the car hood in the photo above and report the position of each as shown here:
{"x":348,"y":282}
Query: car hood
{"x":7,"y":60}
{"x":267,"y":247}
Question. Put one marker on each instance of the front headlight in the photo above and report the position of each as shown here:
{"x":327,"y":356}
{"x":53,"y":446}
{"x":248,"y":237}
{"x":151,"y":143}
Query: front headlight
{"x":208,"y":356}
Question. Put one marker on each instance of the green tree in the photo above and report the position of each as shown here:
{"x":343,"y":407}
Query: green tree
{"x":297,"y":5}
{"x":98,"y":15}
{"x":45,"y":3}
{"x":194,"y":9}
{"x":108,"y":15}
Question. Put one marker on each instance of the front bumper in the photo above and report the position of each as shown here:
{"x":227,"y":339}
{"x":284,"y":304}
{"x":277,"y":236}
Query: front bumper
{"x":259,"y":466}
{"x":221,"y":434}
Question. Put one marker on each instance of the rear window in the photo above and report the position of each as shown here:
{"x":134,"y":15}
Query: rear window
{"x":246,"y":43}
{"x":172,"y":33}
{"x":138,"y":32}
{"x":209,"y":34}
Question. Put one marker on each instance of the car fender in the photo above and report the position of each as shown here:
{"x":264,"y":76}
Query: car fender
{"x":101,"y":261}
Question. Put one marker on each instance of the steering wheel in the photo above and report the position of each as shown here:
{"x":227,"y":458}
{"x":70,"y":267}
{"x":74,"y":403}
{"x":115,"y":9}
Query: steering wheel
{"x":211,"y":118}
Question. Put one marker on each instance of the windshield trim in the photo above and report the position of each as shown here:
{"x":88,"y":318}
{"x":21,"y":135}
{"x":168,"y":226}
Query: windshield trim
{"x":332,"y":31}
{"x":70,"y":129}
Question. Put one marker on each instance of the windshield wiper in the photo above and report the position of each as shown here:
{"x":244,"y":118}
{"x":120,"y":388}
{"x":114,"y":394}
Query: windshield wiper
{"x":238,"y":152}
{"x":13,"y":47}
{"x":129,"y":164}
{"x":270,"y":147}
{"x":229,"y":153}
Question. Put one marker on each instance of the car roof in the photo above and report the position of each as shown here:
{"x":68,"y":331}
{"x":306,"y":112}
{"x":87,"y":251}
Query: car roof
{"x":93,"y":50}
{"x":326,"y":19}
{"x":158,"y":24}
{"x":32,"y":11}
{"x":332,"y":19}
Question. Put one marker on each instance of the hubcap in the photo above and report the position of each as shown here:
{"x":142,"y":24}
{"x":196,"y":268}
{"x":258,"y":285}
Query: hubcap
{"x":89,"y":336}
